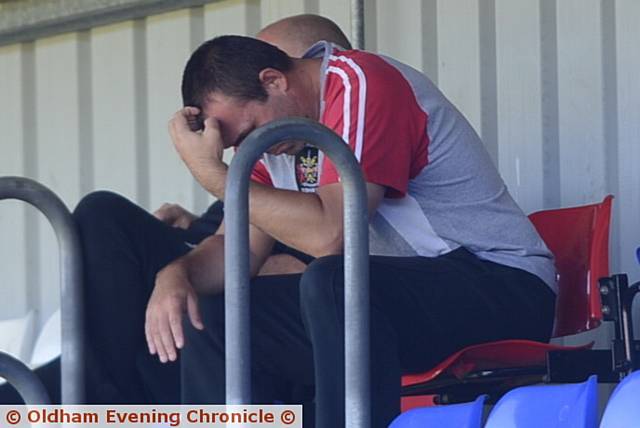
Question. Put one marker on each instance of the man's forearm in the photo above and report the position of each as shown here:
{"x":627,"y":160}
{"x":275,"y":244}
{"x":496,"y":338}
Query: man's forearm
{"x":305,"y":221}
{"x":204,"y":265}
{"x":299,"y":220}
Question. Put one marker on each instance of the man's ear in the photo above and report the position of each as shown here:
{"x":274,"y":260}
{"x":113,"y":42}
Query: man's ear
{"x":273,"y":81}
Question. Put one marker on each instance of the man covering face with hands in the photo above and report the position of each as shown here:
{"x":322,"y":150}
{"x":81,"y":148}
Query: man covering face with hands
{"x":124,"y":247}
{"x":444,"y":274}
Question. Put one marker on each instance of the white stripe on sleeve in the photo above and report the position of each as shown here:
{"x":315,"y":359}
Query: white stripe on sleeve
{"x":346,"y":107}
{"x":362,"y":101}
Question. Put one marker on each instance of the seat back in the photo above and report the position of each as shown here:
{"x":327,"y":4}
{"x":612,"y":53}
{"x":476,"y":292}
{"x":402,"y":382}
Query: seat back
{"x":553,"y":406}
{"x":48,"y":343}
{"x":466,"y":415}
{"x":578,"y":237}
{"x":622,"y":409}
{"x":16,"y":336}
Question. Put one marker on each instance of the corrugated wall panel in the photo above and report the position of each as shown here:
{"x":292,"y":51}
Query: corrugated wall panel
{"x":339,"y":11}
{"x":113,"y":112}
{"x":549,"y":84}
{"x":459,"y":56}
{"x":519,"y":100}
{"x":582,"y":148}
{"x":169,"y":43}
{"x":59,"y":151}
{"x":399,"y":31}
{"x":13,"y":296}
{"x":627,"y":15}
{"x":232,"y":17}
{"x":273,"y":10}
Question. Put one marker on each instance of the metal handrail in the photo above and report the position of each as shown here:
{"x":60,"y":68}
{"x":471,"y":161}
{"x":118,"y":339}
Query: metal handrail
{"x":23,"y":380}
{"x":71,"y":291}
{"x":356,"y":254}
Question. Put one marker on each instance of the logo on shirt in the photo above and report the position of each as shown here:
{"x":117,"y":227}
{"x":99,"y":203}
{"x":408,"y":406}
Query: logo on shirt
{"x":307,"y":169}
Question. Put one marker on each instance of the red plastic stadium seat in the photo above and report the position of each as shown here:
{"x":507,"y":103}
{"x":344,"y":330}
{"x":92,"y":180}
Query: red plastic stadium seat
{"x":579,"y":239}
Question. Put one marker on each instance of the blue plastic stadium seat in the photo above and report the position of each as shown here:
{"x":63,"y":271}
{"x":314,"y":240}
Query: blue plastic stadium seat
{"x":548,"y":406}
{"x":467,"y":415}
{"x":623,"y":408}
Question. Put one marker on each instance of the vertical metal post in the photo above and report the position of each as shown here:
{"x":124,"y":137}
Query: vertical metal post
{"x":71,"y":292}
{"x":357,"y":24}
{"x":356,"y":254}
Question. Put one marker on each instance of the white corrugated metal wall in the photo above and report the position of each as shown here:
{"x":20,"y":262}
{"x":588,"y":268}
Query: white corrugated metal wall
{"x":551,"y":85}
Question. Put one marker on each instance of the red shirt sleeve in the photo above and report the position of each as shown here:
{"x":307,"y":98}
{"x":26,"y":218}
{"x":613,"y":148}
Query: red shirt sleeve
{"x":261,"y":175}
{"x":372,"y":106}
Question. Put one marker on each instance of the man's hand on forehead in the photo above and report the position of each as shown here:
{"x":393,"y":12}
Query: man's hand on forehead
{"x":189,"y":120}
{"x":194,"y":118}
{"x":196,"y":121}
{"x":201,"y":150}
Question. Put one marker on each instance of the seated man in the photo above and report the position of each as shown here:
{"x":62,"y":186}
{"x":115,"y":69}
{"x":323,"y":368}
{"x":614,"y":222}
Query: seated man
{"x":454,"y":261}
{"x":124,"y":247}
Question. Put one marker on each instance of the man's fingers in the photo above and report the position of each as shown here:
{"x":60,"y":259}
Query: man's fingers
{"x":150,"y":344}
{"x":175,"y":323}
{"x":194,"y":312}
{"x":174,"y":215}
{"x":181,"y":120}
{"x":182,"y":221}
{"x":167,"y":339}
{"x":191,"y":111}
{"x":158,"y":343}
{"x":164,"y":212}
{"x":187,"y":114}
{"x":153,"y":332}
{"x":153,"y":336}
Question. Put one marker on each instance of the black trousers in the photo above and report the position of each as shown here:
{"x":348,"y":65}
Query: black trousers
{"x":422,"y":310}
{"x":123,"y":248}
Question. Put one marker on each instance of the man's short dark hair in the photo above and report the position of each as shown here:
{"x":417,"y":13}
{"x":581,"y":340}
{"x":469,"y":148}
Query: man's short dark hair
{"x":230,"y":65}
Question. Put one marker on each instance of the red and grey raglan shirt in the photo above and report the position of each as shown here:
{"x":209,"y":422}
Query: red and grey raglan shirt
{"x":442,"y":189}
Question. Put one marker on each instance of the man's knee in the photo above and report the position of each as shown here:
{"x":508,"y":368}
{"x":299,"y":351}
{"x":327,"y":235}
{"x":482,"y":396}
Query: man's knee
{"x":322,"y":282}
{"x":100,"y":205}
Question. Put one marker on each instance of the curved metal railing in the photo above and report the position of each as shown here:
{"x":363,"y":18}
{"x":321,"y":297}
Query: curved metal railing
{"x":356,"y":253}
{"x":23,"y":380}
{"x":71,"y":292}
